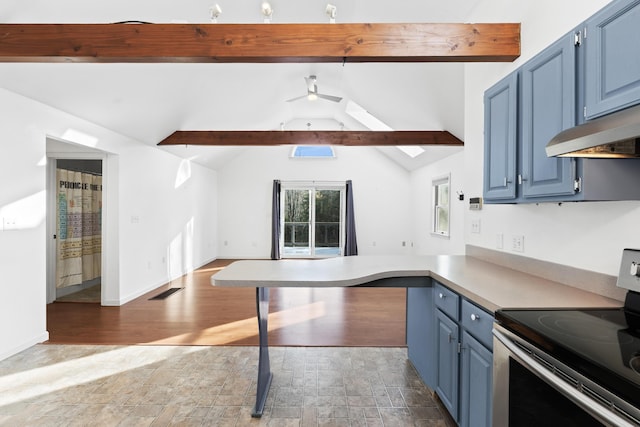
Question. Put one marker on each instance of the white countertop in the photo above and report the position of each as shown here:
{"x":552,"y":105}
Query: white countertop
{"x":489,"y":285}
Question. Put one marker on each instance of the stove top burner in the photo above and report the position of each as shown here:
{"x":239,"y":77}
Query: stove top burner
{"x":576,"y":326}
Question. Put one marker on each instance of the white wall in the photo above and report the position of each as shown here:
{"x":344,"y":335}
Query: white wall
{"x":583,"y":235}
{"x":381,"y":198}
{"x":142,"y":183}
{"x":424,"y":242}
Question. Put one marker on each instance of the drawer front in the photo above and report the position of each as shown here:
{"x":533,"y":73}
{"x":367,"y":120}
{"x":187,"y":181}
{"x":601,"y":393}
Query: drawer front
{"x":478,"y":323}
{"x":447,"y":301}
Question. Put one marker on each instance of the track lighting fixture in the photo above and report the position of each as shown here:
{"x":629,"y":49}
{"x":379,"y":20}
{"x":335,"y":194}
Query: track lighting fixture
{"x":214,"y":12}
{"x":267,"y":11}
{"x":331,"y":11}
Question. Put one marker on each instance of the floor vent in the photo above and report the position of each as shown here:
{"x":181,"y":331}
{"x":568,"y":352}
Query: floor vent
{"x":166,"y":293}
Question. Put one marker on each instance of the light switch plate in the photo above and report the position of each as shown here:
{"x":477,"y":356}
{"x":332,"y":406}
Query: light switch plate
{"x":626,"y":277}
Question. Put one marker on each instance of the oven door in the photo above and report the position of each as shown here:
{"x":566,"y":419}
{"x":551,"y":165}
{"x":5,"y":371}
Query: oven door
{"x":530,"y":388}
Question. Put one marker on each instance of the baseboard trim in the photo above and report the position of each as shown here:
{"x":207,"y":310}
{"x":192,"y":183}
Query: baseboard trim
{"x":131,"y":297}
{"x":25,"y":345}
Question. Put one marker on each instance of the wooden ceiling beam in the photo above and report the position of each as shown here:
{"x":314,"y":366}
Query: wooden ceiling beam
{"x":306,"y":137}
{"x":260,"y":43}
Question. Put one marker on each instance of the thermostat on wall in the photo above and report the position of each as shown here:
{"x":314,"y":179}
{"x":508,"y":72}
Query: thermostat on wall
{"x":475,"y":203}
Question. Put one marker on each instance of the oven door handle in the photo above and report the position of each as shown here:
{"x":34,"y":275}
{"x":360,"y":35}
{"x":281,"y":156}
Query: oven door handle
{"x":569,"y":391}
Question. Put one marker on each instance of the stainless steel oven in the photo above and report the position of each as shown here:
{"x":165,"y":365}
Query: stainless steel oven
{"x":531,"y":388}
{"x":570,"y":367}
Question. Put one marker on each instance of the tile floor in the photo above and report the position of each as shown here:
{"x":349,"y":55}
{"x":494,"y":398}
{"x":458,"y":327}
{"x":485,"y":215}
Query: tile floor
{"x":55,"y":385}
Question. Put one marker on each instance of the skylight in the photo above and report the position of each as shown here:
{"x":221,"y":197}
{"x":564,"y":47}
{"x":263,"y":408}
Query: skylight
{"x":412,"y":151}
{"x":313,"y":151}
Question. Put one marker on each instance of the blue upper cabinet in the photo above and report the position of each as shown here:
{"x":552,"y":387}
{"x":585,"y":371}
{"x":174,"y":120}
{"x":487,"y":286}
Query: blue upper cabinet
{"x":548,"y":105}
{"x":500,"y":135}
{"x":612,"y":74}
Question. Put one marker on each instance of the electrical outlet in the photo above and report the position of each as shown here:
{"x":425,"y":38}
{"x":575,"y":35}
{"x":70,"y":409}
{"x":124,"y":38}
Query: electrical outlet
{"x":9,"y":224}
{"x":475,"y":226}
{"x":517,"y":244}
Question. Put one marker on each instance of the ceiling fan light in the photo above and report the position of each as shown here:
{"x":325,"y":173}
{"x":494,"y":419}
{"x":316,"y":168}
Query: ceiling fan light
{"x":312,"y":96}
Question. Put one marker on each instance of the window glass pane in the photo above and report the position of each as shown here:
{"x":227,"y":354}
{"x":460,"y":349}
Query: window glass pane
{"x":440,"y":188}
{"x":296,"y":222}
{"x":443,"y":194}
{"x":313,"y":151}
{"x":327,"y":224}
{"x":442,"y":220}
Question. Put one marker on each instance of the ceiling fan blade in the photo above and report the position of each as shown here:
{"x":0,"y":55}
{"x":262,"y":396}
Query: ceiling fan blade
{"x":329,"y":97}
{"x":296,"y":98}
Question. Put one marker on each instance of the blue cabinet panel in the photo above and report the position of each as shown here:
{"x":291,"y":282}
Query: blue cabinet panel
{"x":476,"y":373}
{"x":447,"y":360}
{"x":420,"y":333}
{"x":478,"y":323}
{"x":548,"y":107}
{"x":500,"y":135}
{"x":446,"y":300}
{"x":612,"y":58}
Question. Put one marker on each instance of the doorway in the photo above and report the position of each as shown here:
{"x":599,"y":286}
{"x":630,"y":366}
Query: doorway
{"x":81,"y":158}
{"x":77,"y":249}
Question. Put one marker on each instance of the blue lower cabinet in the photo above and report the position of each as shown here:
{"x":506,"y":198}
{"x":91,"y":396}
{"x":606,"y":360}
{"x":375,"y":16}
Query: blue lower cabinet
{"x":447,"y":382}
{"x":476,"y":373}
{"x":420,"y":333}
{"x":449,"y":343}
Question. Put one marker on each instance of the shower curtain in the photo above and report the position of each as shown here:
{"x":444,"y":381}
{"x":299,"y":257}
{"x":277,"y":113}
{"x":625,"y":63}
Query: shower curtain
{"x":79,"y":228}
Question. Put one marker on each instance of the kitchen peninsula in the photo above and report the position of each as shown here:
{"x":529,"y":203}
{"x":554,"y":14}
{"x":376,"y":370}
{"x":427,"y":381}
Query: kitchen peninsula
{"x":477,"y":283}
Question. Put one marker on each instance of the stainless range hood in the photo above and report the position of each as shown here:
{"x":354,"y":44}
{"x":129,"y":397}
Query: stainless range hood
{"x":616,"y":135}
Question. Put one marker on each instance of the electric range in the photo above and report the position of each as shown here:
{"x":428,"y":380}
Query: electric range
{"x":589,"y":357}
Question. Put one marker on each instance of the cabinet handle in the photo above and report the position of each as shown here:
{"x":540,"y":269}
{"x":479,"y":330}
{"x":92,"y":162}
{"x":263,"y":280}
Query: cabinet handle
{"x":474,"y":317}
{"x":506,"y":181}
{"x":521,"y":179}
{"x":450,"y":338}
{"x":441,"y":295}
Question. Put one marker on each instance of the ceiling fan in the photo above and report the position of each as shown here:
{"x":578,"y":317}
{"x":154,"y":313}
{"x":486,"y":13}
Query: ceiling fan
{"x":312,"y":92}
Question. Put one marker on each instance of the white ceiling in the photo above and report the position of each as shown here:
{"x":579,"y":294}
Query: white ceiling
{"x":150,"y":101}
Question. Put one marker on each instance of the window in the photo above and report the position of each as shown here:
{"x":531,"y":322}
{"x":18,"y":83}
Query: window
{"x":312,"y":220}
{"x":313,"y":151}
{"x":440,"y":205}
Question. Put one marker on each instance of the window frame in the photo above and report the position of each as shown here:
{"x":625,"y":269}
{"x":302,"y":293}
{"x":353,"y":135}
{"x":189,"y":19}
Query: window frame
{"x":312,"y":187}
{"x":436,"y":208}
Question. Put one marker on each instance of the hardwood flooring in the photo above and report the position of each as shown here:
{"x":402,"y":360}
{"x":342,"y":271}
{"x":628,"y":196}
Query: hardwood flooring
{"x":205,"y":315}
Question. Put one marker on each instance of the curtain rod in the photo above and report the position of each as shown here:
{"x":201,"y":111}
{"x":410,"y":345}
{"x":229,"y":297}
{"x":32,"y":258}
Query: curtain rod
{"x":305,"y":182}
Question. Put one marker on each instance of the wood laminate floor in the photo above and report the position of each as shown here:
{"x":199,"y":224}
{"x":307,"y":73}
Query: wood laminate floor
{"x":202,"y":314}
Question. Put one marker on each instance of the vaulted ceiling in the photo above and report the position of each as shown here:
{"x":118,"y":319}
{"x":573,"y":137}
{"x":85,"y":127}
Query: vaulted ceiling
{"x":150,"y":101}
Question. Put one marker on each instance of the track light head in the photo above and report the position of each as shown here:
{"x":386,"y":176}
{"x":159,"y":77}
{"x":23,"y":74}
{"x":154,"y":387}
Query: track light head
{"x":331,"y":11}
{"x":267,"y":11}
{"x":214,"y":12}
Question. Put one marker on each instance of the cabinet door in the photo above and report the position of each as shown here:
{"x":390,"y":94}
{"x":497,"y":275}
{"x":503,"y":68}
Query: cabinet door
{"x":476,"y":386}
{"x":421,"y":333}
{"x":447,"y":357}
{"x":500,"y":139}
{"x":612,"y":58}
{"x":548,"y":107}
